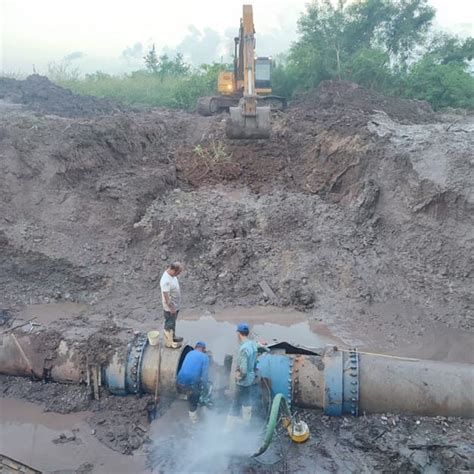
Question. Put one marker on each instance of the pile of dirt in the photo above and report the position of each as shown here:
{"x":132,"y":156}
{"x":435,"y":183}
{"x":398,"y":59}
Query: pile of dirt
{"x":31,"y":274}
{"x":340,"y":212}
{"x":70,"y":191}
{"x":321,"y":145}
{"x":38,"y":93}
{"x":358,"y":103}
{"x":358,"y":210}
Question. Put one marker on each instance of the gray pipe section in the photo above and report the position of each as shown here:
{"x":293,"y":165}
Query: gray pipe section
{"x":384,"y":384}
{"x":337,"y":381}
{"x":63,"y":364}
{"x":416,"y":386}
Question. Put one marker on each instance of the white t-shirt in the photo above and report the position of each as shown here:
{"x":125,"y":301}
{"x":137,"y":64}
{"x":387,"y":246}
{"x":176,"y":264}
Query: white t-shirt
{"x":170,"y":284}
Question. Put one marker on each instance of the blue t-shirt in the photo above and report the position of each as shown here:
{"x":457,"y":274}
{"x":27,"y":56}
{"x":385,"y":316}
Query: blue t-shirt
{"x":194,"y":369}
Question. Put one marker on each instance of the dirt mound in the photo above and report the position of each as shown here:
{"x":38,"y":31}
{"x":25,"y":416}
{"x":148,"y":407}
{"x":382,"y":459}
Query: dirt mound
{"x":38,"y":93}
{"x":332,"y":212}
{"x":347,"y":213}
{"x":350,"y":99}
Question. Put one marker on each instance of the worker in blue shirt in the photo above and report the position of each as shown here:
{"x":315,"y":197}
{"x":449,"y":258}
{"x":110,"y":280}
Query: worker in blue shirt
{"x":193,"y":377}
{"x":244,"y":376}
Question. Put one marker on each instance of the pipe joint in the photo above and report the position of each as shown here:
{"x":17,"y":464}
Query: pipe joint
{"x":341,"y":382}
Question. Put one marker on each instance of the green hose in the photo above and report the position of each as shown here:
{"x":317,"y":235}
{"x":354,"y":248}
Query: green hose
{"x":279,"y":401}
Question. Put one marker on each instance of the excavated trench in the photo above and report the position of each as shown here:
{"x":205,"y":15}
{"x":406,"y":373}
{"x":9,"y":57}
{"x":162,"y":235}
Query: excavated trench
{"x":353,"y":225}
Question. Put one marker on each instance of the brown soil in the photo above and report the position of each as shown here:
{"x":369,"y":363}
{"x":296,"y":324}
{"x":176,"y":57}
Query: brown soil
{"x":358,"y":210}
{"x":39,"y":94}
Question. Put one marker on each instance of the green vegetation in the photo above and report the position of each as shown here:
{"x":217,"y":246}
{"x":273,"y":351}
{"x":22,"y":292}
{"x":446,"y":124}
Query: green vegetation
{"x":214,"y":153}
{"x":168,"y":83}
{"x":385,"y":45}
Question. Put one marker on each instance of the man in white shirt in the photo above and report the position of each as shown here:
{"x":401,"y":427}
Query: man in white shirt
{"x":171,"y":298}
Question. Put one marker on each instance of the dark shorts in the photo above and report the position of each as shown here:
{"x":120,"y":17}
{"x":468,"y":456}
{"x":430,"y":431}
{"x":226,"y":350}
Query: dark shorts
{"x":193,"y":393}
{"x":170,"y":320}
{"x":242,"y":397}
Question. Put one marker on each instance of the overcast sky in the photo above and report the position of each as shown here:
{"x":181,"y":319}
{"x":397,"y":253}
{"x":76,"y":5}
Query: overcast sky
{"x":112,"y":35}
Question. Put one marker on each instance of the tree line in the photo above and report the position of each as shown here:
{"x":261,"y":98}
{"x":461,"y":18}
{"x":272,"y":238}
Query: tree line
{"x":386,"y":45}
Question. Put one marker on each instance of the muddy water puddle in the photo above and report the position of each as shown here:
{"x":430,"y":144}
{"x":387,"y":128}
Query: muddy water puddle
{"x":53,"y":442}
{"x":50,"y":312}
{"x":269,"y":325}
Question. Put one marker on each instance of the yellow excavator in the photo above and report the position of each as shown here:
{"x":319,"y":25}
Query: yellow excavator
{"x":246,"y":91}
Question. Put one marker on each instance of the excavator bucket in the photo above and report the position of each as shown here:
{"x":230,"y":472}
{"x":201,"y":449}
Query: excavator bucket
{"x":239,"y":125}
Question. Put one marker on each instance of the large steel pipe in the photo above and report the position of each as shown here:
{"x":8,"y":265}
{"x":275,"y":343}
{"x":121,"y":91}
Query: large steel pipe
{"x":133,"y":368}
{"x":340,"y":382}
{"x":26,"y":356}
{"x":416,"y":386}
{"x":348,"y":382}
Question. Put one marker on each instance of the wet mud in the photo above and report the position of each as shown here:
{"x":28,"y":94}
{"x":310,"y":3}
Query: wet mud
{"x":351,"y":226}
{"x":55,"y":443}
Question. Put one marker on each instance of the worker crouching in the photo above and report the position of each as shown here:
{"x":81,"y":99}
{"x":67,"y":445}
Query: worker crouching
{"x":193,"y":376}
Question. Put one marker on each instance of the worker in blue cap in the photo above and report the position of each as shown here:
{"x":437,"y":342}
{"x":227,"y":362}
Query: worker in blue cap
{"x":244,"y":377}
{"x":193,"y":377}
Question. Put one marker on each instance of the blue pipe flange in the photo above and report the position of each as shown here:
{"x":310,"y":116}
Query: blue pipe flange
{"x":134,"y":360}
{"x":278,"y":369}
{"x":114,"y":375}
{"x":351,"y":382}
{"x":341,"y":383}
{"x":333,"y":384}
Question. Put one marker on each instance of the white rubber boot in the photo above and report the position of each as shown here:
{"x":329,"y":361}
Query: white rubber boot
{"x":231,"y":422}
{"x":169,"y":342}
{"x":193,"y":416}
{"x":246,"y":415}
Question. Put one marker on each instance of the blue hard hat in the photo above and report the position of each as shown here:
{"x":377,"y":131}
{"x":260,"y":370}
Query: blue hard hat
{"x":201,"y":344}
{"x":242,"y":327}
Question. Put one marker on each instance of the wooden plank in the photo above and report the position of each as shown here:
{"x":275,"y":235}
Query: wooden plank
{"x":269,"y":292}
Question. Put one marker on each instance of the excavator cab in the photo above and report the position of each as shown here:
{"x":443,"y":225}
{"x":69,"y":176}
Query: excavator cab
{"x":263,"y":75}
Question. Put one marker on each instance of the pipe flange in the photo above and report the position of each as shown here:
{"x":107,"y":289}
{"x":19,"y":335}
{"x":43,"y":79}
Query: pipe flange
{"x":333,"y":383}
{"x":134,"y":359}
{"x":351,"y":383}
{"x":341,"y":383}
{"x":290,"y":382}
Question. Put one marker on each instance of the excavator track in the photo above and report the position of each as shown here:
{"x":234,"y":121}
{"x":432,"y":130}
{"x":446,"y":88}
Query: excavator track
{"x":213,"y":105}
{"x":203,"y":106}
{"x":275,"y":102}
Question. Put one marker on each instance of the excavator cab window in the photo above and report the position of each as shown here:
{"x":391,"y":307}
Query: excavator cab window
{"x":263,"y":73}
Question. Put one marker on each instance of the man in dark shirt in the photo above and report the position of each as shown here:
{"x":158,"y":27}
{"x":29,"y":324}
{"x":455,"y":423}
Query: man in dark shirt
{"x":193,"y":377}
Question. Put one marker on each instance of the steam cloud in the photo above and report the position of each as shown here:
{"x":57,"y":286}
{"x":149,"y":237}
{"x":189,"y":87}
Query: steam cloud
{"x":205,"y":447}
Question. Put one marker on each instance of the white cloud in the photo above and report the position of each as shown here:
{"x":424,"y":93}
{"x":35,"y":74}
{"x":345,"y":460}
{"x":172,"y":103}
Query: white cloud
{"x":41,"y":31}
